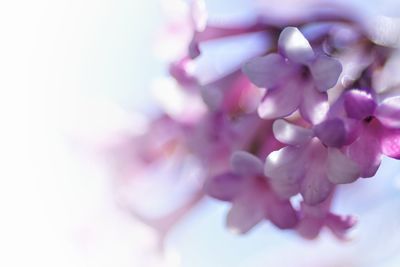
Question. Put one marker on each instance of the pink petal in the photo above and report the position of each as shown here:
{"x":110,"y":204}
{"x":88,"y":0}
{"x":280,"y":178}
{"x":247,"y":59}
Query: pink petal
{"x":291,"y":134}
{"x":325,"y":71}
{"x":247,"y":211}
{"x":280,"y":102}
{"x":313,"y":218}
{"x":388,"y":112}
{"x":341,"y":169}
{"x":366,"y":150}
{"x":390,"y":142}
{"x":281,"y":213}
{"x":310,"y":227}
{"x":285,"y":169}
{"x":250,"y":98}
{"x":267,"y":71}
{"x":244,"y":163}
{"x":224,"y":187}
{"x":314,"y":106}
{"x":315,"y":187}
{"x":359,"y":104}
{"x":340,"y":225}
{"x":295,"y":46}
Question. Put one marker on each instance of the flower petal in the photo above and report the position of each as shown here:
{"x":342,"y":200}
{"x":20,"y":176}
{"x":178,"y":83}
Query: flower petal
{"x":267,"y":71}
{"x":388,"y":112}
{"x":339,"y":225}
{"x":313,"y":218}
{"x":325,"y":71}
{"x":314,"y":105}
{"x":212,"y":97}
{"x":244,"y":163}
{"x":310,"y":227}
{"x":285,"y":169}
{"x":366,"y":150}
{"x":359,"y":104}
{"x":341,"y":169}
{"x":331,"y":132}
{"x":224,"y":187}
{"x":247,"y":211}
{"x":290,"y":134}
{"x":281,"y":213}
{"x":315,"y":187}
{"x":280,"y":102}
{"x":295,"y":46}
{"x":390,"y":142}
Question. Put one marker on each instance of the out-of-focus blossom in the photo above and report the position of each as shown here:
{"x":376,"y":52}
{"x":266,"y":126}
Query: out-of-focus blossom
{"x":251,"y":196}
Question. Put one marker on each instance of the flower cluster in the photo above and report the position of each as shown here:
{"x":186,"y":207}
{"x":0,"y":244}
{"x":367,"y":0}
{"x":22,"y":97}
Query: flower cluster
{"x":293,"y":108}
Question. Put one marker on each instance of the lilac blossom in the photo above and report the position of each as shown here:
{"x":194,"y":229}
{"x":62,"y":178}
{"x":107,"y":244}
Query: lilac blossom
{"x":296,"y":71}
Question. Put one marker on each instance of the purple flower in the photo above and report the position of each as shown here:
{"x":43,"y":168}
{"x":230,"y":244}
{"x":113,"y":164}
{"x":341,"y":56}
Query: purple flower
{"x":251,"y":196}
{"x":308,"y":165}
{"x":379,"y":129}
{"x":296,"y":77}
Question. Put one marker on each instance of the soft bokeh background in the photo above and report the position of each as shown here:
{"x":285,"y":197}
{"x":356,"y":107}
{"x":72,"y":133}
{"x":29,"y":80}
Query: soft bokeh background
{"x":74,"y":67}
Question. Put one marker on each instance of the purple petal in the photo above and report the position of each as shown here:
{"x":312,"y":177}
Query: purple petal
{"x":390,"y":142}
{"x":388,"y":112}
{"x":285,"y":169}
{"x":244,"y":163}
{"x":314,"y":106}
{"x":325,"y":71}
{"x":359,"y":104}
{"x":281,"y":213}
{"x":267,"y":71}
{"x":295,"y":46}
{"x":280,"y":102}
{"x":224,"y":187}
{"x":366,"y":150}
{"x":341,"y":169}
{"x":315,"y":187}
{"x":331,"y":132}
{"x":247,"y":211}
{"x":291,"y":134}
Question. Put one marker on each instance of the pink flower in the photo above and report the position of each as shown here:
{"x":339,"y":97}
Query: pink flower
{"x":251,"y":196}
{"x":296,"y":77}
{"x":379,"y":129}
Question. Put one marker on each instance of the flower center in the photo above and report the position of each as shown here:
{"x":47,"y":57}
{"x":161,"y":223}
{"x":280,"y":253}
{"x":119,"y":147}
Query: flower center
{"x":368,"y":119}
